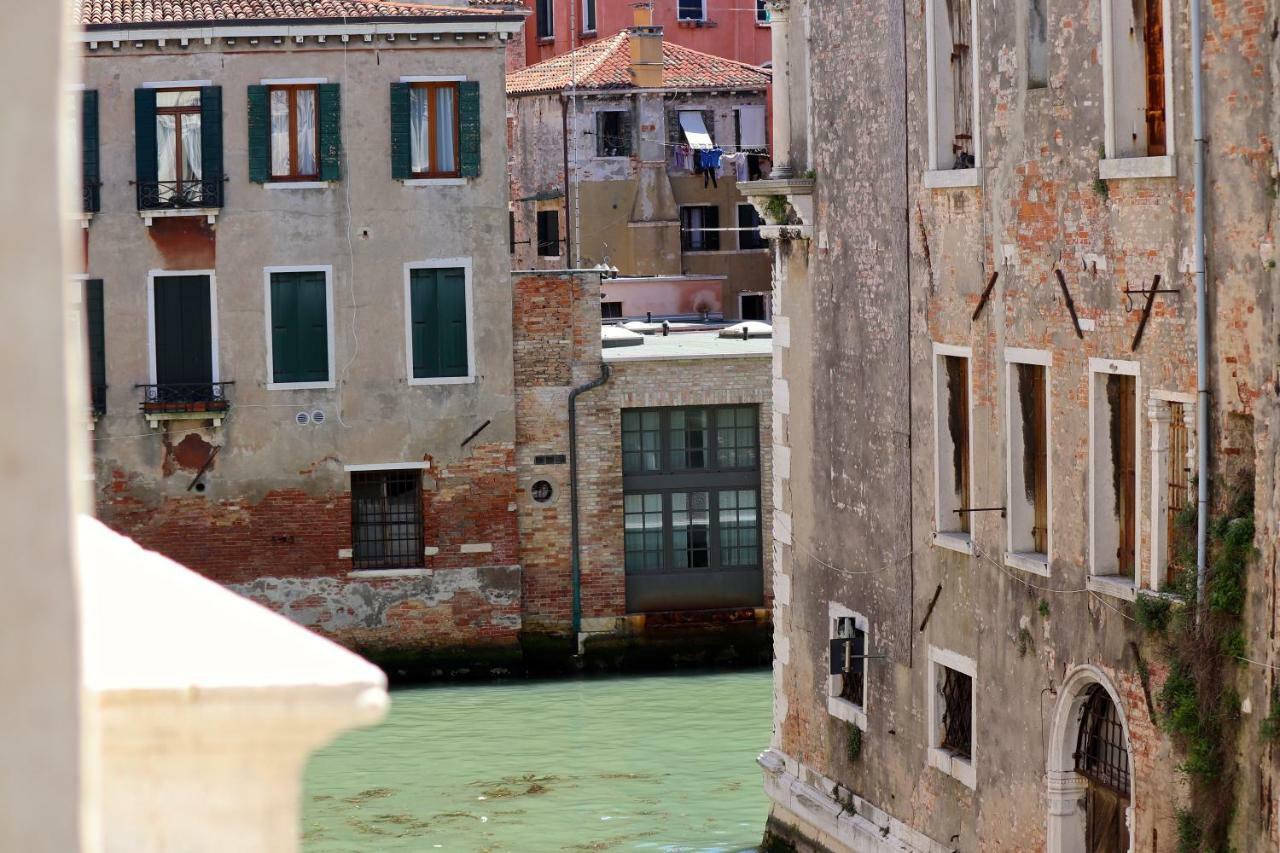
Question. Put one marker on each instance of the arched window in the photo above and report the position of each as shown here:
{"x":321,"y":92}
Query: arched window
{"x":1102,"y":757}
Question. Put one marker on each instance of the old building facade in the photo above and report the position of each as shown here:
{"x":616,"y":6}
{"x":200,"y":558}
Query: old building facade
{"x":989,"y":426}
{"x":605,"y":170}
{"x":299,"y":308}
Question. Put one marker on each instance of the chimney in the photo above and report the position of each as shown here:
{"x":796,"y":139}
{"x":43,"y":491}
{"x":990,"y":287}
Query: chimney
{"x":642,"y":14}
{"x":646,"y":52}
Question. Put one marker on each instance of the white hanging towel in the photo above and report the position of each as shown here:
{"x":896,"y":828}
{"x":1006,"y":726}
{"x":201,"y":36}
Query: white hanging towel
{"x":694,"y":129}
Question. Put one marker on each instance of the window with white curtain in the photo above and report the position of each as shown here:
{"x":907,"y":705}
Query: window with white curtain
{"x":177,"y":140}
{"x":433,"y":129}
{"x":294,"y":132}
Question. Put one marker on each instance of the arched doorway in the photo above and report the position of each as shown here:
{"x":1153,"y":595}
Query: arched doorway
{"x":1090,"y":784}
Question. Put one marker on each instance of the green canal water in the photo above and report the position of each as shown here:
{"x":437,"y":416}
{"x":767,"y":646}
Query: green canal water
{"x":653,"y":763}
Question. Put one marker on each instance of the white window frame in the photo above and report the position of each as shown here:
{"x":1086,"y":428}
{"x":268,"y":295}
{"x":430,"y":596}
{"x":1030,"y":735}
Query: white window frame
{"x":327,"y":269}
{"x":1025,"y":560}
{"x":1108,"y":583}
{"x":594,"y":13}
{"x":427,"y":182}
{"x":842,"y":709}
{"x":1114,"y":166}
{"x":952,"y":539}
{"x":937,"y":177}
{"x":431,"y":264}
{"x":962,"y":769}
{"x":152,"y":275}
{"x":768,"y":307}
{"x":1159,"y":416}
{"x":703,"y":16}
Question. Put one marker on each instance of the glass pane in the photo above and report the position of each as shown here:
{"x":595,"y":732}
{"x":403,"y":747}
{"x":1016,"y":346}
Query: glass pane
{"x":178,"y":98}
{"x":279,"y":132}
{"x":307,"y":132}
{"x":446,"y":121}
{"x":191,"y":164}
{"x":166,"y":149}
{"x":739,"y":528}
{"x":419,"y":142}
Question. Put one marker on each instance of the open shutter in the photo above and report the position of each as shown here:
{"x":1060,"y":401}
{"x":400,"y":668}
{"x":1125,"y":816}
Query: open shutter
{"x":144,"y":135}
{"x":97,"y":344}
{"x":211,"y":144}
{"x":400,"y":146}
{"x":89,"y":171}
{"x":469,"y":127}
{"x":422,"y":292}
{"x":284,"y":329}
{"x":452,"y":322}
{"x":259,"y":135}
{"x":313,"y":327}
{"x":330,"y":132}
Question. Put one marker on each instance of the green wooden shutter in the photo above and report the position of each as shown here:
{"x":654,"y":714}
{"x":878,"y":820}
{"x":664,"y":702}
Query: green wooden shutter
{"x":211,"y":142}
{"x":330,"y":105}
{"x":451,"y":324}
{"x":89,"y":169}
{"x":259,"y":135}
{"x":144,"y":135}
{"x":284,"y":329}
{"x":182,"y":330}
{"x":469,"y":128}
{"x":422,"y":292}
{"x":94,"y":316}
{"x":313,"y":327}
{"x":400,"y":146}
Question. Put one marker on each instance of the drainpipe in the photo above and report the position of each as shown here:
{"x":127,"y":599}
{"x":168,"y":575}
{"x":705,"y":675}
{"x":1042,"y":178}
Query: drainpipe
{"x":1202,"y":313}
{"x":574,"y":545}
{"x":568,"y":220}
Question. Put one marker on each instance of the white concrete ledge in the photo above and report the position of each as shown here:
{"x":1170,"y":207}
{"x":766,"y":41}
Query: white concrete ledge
{"x":960,"y":769}
{"x":1113,"y":585}
{"x":1123,"y":168}
{"x":961,"y":542}
{"x":373,"y":574}
{"x":946,"y":179}
{"x":847,"y":711}
{"x":297,"y":185}
{"x":1036,"y":564}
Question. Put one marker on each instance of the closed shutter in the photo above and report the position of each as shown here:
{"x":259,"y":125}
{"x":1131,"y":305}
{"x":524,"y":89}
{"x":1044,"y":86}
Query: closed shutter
{"x":211,"y":143}
{"x":439,"y":323}
{"x":330,"y":104}
{"x":400,"y":145}
{"x":183,"y":330}
{"x":89,"y":169}
{"x":299,"y":327}
{"x":259,"y":135}
{"x":144,"y":135}
{"x":469,"y":128}
{"x":94,"y":317}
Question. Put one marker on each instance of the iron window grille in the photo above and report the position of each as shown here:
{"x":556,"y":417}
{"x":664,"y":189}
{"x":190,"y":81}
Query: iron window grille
{"x":159,"y":195}
{"x":1102,"y":751}
{"x":185,"y":397}
{"x":847,"y":650}
{"x":386,"y":519}
{"x":956,"y":692}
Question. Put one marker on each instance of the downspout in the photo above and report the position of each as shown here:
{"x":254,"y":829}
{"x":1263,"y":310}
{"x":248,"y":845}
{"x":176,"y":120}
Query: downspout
{"x":574,"y":543}
{"x":1202,"y":313}
{"x":564,"y":138}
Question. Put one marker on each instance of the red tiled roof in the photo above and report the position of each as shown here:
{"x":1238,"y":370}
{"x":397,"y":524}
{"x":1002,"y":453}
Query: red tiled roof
{"x":605,"y":65}
{"x":90,"y":13}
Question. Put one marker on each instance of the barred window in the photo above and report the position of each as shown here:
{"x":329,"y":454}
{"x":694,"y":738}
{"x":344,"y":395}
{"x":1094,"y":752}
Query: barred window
{"x":641,"y":440}
{"x":386,"y":519}
{"x":739,"y":527}
{"x":1102,"y":751}
{"x":642,"y":522}
{"x":955,"y":691}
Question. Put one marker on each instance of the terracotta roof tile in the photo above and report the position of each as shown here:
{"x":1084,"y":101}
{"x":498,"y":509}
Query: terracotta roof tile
{"x":605,"y":64}
{"x":129,"y":12}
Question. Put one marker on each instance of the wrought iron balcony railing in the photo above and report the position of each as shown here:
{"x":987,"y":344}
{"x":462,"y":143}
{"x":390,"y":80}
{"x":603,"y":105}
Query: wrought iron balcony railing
{"x":92,"y":197}
{"x":162,"y":195}
{"x":185,"y":397}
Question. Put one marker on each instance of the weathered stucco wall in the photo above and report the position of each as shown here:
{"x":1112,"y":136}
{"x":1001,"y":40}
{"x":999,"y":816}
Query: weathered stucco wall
{"x":895,"y":267}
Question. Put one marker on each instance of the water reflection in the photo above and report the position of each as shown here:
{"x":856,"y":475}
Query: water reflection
{"x":656,"y":763}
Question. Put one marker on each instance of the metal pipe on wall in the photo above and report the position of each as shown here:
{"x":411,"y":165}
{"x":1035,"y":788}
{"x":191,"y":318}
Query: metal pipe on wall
{"x":1202,"y":314}
{"x":574,"y":540}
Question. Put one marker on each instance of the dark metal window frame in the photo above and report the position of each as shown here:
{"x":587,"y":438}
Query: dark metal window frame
{"x":711,"y":478}
{"x":762,"y":12}
{"x":398,"y":551}
{"x":955,"y":690}
{"x":1102,"y":750}
{"x":292,"y":89}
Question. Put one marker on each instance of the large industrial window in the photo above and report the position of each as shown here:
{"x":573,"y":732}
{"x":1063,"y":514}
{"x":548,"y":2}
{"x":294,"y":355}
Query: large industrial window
{"x":953,"y":463}
{"x":386,"y":519}
{"x":1037,"y":44}
{"x":951,"y":714}
{"x":1138,"y":72}
{"x":692,"y":514}
{"x":951,"y":34}
{"x":697,"y":228}
{"x":613,"y":133}
{"x":1113,"y":468}
{"x":549,"y":233}
{"x":1027,"y":407}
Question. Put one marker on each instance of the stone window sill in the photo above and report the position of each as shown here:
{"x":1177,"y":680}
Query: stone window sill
{"x":960,"y":769}
{"x":297,"y":185}
{"x":435,"y":182}
{"x":1113,"y":585}
{"x":388,"y":573}
{"x":1123,"y":168}
{"x":1027,"y":561}
{"x":961,"y":542}
{"x":210,"y":214}
{"x":847,"y":711}
{"x":442,"y":380}
{"x":943,"y":179}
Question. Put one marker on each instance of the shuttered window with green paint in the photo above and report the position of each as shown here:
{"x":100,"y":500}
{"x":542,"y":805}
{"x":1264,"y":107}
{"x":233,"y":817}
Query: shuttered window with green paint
{"x":97,"y":340}
{"x":299,"y":327}
{"x":438,"y":306}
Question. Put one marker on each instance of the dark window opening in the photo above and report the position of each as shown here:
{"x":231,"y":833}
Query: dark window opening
{"x":957,"y":369}
{"x":544,"y":13}
{"x":549,"y":233}
{"x":1179,"y":488}
{"x":754,"y":307}
{"x":183,"y":340}
{"x":847,"y":661}
{"x":960,"y":17}
{"x":762,"y":12}
{"x":956,"y":693}
{"x":1102,"y":752}
{"x":1035,"y":450}
{"x":95,"y":328}
{"x":613,"y":133}
{"x":611,"y":310}
{"x":1153,"y":58}
{"x":691,"y":10}
{"x":696,"y":228}
{"x":749,"y":218}
{"x":511,"y":229}
{"x":588,"y":16}
{"x":1122,"y":402}
{"x":549,"y":459}
{"x":386,"y":519}
{"x":1037,"y":44}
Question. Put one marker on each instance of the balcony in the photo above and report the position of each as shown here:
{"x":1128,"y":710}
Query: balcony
{"x":158,"y":199}
{"x":184,"y":401}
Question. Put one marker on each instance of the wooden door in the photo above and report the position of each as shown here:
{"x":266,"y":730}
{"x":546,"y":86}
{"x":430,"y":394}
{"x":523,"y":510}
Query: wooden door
{"x":1105,"y":828}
